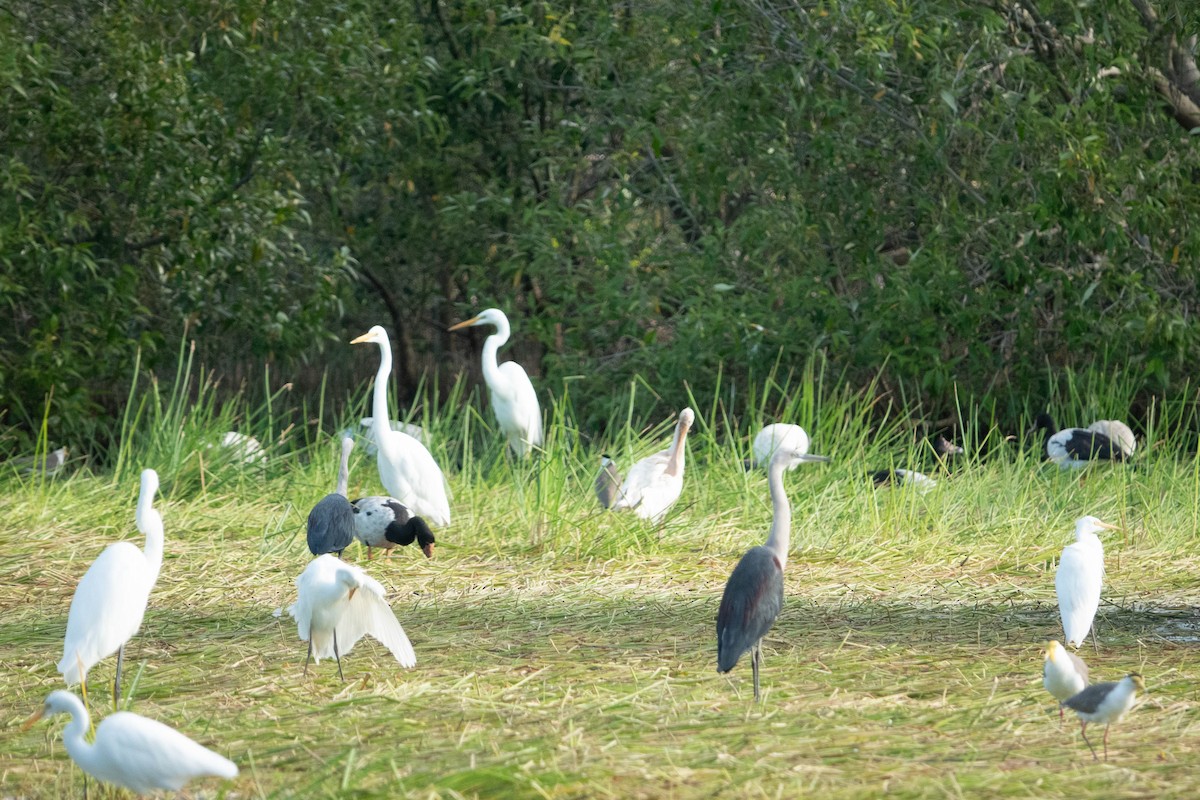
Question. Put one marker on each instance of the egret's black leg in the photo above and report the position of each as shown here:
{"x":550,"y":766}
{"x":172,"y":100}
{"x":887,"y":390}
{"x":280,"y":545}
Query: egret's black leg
{"x":755,"y":659}
{"x":1083,"y":730}
{"x":117,"y":680}
{"x":338,"y":657}
{"x":308,"y":657}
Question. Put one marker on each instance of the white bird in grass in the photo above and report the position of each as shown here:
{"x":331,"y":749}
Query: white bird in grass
{"x":777,"y":435}
{"x":406,"y":468}
{"x":131,"y":751}
{"x":331,"y":522}
{"x":110,"y":600}
{"x":339,"y":603}
{"x":366,"y":432}
{"x":753,"y":595}
{"x":385,"y":522}
{"x":1063,"y":673}
{"x":655,"y":483}
{"x":1075,"y":448}
{"x":514,"y":401}
{"x":1079,"y":579}
{"x":1107,"y":703}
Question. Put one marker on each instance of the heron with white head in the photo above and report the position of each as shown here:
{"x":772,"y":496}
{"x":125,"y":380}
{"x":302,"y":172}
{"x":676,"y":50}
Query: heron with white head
{"x":331,"y":521}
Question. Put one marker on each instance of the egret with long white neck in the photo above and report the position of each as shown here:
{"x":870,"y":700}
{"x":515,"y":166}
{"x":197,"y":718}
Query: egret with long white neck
{"x":406,"y":468}
{"x":753,"y":594}
{"x":655,"y":483}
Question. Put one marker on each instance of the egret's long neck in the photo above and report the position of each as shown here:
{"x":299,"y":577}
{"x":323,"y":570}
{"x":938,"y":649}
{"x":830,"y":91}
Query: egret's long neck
{"x":149,"y":522}
{"x":781,"y":523}
{"x":81,"y":752}
{"x":379,"y":404}
{"x":491,"y":346}
{"x":675,"y":459}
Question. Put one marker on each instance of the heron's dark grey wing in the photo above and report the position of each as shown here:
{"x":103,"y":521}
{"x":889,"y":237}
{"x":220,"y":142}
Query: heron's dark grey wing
{"x":1090,"y":698}
{"x":1089,"y":445}
{"x":752,"y":600}
{"x":330,"y":525}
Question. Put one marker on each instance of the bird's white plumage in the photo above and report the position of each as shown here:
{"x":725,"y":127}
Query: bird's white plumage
{"x":776,"y":435}
{"x":406,"y":468}
{"x":1118,"y":431}
{"x":326,"y":603}
{"x":1079,"y":580}
{"x":514,"y":401}
{"x":111,"y":598}
{"x":1063,"y":674}
{"x":653,"y":484}
{"x":134,"y":752}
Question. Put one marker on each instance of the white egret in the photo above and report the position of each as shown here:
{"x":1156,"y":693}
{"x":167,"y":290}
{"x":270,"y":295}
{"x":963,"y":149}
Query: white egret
{"x":1079,"y":579}
{"x":1074,"y":448}
{"x":608,"y":482}
{"x":1063,"y":673}
{"x":131,"y":751}
{"x":366,"y":432}
{"x":753,"y":595}
{"x":331,"y":521}
{"x":110,"y":600}
{"x":514,"y":401}
{"x":385,"y":522}
{"x":655,"y":483}
{"x":1107,"y":703}
{"x":339,"y":603}
{"x":406,"y":468}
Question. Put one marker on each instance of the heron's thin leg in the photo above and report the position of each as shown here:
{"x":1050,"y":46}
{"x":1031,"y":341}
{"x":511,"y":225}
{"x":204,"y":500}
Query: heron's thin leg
{"x":368,"y":552}
{"x":338,"y":657}
{"x":1083,"y":730}
{"x":1106,"y":742}
{"x":1095,"y":646}
{"x":1061,"y":717}
{"x":117,"y":680}
{"x":308,"y":657}
{"x":755,"y":658}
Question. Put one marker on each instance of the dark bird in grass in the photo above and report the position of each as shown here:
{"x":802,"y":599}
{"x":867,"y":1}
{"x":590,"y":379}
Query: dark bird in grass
{"x":44,"y":464}
{"x":1074,"y":448}
{"x":1107,"y":703}
{"x":608,"y":482}
{"x":753,"y":594}
{"x":331,"y":522}
{"x":944,"y":452}
{"x":385,"y":522}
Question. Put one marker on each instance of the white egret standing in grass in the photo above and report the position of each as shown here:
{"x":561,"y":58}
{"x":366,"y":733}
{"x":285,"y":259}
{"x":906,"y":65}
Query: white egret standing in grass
{"x":331,"y":521}
{"x":514,"y":401}
{"x":1107,"y":703}
{"x":1074,"y":448}
{"x":753,"y":594}
{"x":110,"y":600}
{"x":339,"y":603}
{"x":385,"y":522}
{"x":1079,"y":579}
{"x":655,"y":483}
{"x":131,"y":751}
{"x":1063,"y":673}
{"x":406,"y":468}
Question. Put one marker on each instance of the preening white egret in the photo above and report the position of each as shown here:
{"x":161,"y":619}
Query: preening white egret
{"x":406,"y":468}
{"x":1107,"y":703}
{"x":1079,"y":579}
{"x":753,"y":594}
{"x":131,"y":751}
{"x":655,"y":483}
{"x":608,"y":482}
{"x":339,"y":603}
{"x":386,"y":522}
{"x":331,"y":521}
{"x":514,"y":400}
{"x":1063,"y":673}
{"x":1074,"y":448}
{"x":110,"y":600}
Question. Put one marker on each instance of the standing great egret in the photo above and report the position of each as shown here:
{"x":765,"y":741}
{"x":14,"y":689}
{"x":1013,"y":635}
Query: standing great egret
{"x":338,"y":601}
{"x":110,"y":600}
{"x":514,"y":401}
{"x":331,"y":521}
{"x":655,"y":483}
{"x":1107,"y":703}
{"x":386,"y":522}
{"x":1079,"y":579}
{"x":753,"y":594}
{"x":131,"y":751}
{"x":1063,"y":674}
{"x":1074,"y":448}
{"x":406,"y":469}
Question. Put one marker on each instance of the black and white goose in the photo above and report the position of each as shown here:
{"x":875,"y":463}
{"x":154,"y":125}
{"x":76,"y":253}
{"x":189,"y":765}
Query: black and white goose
{"x":385,"y":522}
{"x":1075,"y":448}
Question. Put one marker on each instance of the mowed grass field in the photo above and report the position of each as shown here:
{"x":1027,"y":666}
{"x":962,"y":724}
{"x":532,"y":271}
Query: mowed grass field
{"x":565,"y":652}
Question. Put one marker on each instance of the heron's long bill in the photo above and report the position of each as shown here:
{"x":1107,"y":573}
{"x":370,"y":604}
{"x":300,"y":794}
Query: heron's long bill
{"x":41,"y":712}
{"x":811,"y":457}
{"x":464,"y":324}
{"x":366,"y":337}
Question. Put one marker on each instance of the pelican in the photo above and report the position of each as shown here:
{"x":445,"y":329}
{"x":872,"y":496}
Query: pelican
{"x":1107,"y":703}
{"x":655,"y":483}
{"x":406,"y":469}
{"x":514,"y":401}
{"x":1079,"y":579}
